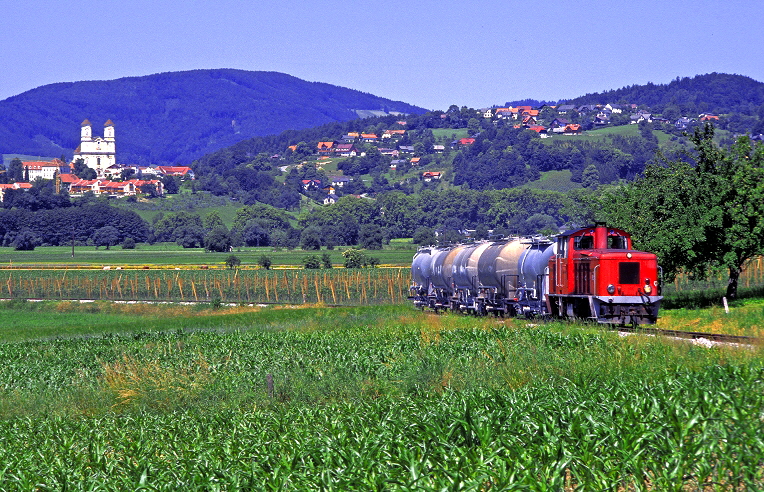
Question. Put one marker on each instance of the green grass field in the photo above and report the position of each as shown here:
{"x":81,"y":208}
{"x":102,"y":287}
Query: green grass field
{"x":449,"y":133}
{"x":382,"y":398}
{"x":159,"y":254}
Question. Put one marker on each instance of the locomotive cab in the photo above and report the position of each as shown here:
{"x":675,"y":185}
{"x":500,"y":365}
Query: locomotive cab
{"x":597,"y":275}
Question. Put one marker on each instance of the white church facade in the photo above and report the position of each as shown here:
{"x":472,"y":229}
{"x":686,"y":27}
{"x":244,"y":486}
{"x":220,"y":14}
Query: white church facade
{"x":99,"y":153}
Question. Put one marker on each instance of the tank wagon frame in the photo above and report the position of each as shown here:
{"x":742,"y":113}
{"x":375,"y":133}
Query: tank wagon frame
{"x":590,"y":273}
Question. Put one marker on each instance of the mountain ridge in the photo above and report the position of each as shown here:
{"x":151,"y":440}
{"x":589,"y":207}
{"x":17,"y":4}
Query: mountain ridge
{"x":175,"y":117}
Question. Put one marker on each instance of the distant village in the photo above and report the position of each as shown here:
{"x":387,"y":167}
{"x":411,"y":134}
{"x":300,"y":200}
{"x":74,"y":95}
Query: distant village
{"x":97,"y":156}
{"x":598,"y":115}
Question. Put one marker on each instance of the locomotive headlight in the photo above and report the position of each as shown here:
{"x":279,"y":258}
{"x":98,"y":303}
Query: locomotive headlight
{"x":648,"y":289}
{"x":611,"y":289}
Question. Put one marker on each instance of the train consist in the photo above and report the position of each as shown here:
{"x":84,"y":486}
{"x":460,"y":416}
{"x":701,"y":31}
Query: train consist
{"x":591,"y":273}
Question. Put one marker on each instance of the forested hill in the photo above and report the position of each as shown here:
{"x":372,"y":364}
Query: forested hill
{"x":176,"y":117}
{"x":716,"y":93}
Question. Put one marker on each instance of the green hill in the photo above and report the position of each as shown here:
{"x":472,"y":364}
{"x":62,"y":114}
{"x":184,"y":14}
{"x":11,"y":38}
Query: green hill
{"x":176,"y":117}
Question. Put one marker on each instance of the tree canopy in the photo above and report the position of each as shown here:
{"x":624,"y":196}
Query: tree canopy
{"x":697,"y":213}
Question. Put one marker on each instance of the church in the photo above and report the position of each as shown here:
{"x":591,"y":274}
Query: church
{"x":98,"y":152}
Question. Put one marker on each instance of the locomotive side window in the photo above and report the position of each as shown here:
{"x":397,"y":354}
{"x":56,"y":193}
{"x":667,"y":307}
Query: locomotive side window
{"x":628,"y":272}
{"x":616,"y":242}
{"x":583,"y":242}
{"x":562,"y":247}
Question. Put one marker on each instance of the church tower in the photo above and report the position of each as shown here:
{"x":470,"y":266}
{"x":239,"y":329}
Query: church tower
{"x":99,"y":153}
{"x":108,"y":131}
{"x":86,"y":131}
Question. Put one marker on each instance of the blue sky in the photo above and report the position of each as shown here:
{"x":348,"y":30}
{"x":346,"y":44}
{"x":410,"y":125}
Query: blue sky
{"x":428,"y":53}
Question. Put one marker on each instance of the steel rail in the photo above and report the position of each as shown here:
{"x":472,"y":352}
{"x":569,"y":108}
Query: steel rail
{"x":691,"y":335}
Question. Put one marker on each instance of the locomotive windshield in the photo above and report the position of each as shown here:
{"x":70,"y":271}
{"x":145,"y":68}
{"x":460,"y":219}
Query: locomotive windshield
{"x":583,"y":242}
{"x":616,"y":242}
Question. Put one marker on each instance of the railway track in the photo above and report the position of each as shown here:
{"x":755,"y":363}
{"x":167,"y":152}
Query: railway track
{"x":691,"y":335}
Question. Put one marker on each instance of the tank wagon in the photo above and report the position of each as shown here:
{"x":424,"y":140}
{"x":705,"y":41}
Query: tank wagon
{"x":589,"y":273}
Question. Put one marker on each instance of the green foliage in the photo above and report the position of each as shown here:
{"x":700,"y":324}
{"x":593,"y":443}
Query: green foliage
{"x":375,"y":398}
{"x":265,"y":262}
{"x":232,"y":261}
{"x":424,"y":236}
{"x":128,"y":243}
{"x":25,"y":240}
{"x":106,"y":236}
{"x":326,"y":260}
{"x":356,"y":258}
{"x":697,"y":216}
{"x":371,"y":236}
{"x":310,"y":239}
{"x":311,"y":262}
{"x":218,"y":239}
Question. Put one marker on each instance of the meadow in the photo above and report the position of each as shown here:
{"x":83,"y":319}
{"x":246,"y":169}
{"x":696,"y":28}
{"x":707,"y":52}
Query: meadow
{"x":170,"y":254}
{"x":168,"y":397}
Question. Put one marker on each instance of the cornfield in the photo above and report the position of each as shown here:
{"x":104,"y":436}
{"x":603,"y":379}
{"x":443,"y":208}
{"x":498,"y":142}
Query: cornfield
{"x":377,"y":398}
{"x":338,"y":286}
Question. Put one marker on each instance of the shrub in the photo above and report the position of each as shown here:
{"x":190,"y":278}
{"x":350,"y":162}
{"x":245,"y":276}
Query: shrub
{"x":128,"y":243}
{"x":311,"y":262}
{"x":265,"y":262}
{"x":232,"y":261}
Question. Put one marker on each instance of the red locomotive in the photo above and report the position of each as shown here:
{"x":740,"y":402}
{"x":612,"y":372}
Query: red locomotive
{"x":590,"y":273}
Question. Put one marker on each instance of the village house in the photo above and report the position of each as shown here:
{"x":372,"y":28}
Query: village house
{"x":311,"y":184}
{"x":44,"y":169}
{"x":428,"y":176}
{"x":640,"y":117}
{"x":394,"y":134}
{"x":389,"y":152}
{"x":182,"y":172}
{"x":325,"y":148}
{"x":339,"y":181}
{"x":14,"y":186}
{"x":540,"y":130}
{"x":330,"y":199}
{"x":346,"y":150}
{"x":102,"y":186}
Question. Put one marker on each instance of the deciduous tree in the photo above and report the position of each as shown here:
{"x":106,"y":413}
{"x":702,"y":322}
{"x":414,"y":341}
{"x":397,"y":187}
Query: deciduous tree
{"x":700,"y":213}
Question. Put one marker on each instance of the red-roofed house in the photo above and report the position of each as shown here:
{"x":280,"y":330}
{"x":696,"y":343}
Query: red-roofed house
{"x":572,"y":129}
{"x":325,"y":148}
{"x":311,"y":184}
{"x":539,"y":129}
{"x":430,"y":175}
{"x":181,"y":171}
{"x":14,"y":186}
{"x":43,"y":169}
{"x":346,"y":150}
{"x":113,"y":188}
{"x":393,"y":133}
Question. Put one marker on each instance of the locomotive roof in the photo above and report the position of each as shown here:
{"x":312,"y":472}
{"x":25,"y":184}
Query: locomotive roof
{"x":592,"y":227}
